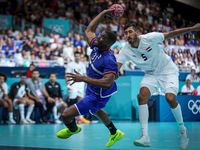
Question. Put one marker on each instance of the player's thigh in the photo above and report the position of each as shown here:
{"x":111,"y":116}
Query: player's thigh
{"x":169,"y":83}
{"x":28,"y":101}
{"x":150,"y":82}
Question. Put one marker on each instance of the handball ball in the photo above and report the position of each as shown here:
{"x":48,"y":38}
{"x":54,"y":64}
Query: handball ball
{"x":194,"y":92}
{"x":118,"y":12}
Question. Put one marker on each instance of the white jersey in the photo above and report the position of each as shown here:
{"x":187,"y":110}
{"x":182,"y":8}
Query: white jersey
{"x":148,"y":56}
{"x":3,"y":90}
{"x":81,"y":68}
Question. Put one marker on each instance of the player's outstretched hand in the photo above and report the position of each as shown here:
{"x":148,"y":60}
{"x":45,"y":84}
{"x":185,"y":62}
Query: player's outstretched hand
{"x":74,"y":77}
{"x":196,"y":27}
{"x":108,"y":13}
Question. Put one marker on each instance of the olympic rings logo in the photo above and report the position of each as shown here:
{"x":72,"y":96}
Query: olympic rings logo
{"x":194,"y":106}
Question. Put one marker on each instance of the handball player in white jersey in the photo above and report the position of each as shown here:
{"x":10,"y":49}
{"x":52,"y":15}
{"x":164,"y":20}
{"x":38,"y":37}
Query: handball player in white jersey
{"x":144,"y":51}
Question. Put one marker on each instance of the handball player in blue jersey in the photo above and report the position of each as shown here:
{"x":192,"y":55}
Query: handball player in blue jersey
{"x":102,"y":72}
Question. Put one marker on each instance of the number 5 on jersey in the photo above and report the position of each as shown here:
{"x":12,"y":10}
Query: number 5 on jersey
{"x":143,"y":56}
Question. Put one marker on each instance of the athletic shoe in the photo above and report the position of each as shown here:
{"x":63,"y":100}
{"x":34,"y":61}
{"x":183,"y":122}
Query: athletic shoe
{"x":184,"y":142}
{"x":12,"y":121}
{"x":43,"y":120}
{"x":57,"y":121}
{"x":66,"y":133}
{"x":114,"y":138}
{"x":144,"y":141}
{"x":83,"y":120}
{"x":23,"y":121}
{"x":30,"y":121}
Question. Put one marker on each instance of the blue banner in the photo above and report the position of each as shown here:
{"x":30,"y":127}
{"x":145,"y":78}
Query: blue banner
{"x":5,"y":22}
{"x":190,"y":106}
{"x":59,"y":26}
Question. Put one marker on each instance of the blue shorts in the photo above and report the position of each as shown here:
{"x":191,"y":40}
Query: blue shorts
{"x":91,"y":104}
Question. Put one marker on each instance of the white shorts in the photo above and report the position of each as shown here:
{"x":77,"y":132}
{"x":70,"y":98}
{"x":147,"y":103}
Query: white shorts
{"x":15,"y":105}
{"x":75,"y":92}
{"x":169,"y":83}
{"x":59,"y":104}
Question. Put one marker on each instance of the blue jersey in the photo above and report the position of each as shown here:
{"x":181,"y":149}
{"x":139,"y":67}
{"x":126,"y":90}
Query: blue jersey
{"x":100,"y":64}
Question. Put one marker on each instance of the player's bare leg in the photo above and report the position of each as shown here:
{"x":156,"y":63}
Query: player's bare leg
{"x":143,"y":97}
{"x":176,"y":110}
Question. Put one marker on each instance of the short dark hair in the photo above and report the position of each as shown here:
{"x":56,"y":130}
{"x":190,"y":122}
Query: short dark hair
{"x":77,"y":53}
{"x":3,"y":75}
{"x":133,"y":25}
{"x":52,"y":73}
{"x":32,"y":64}
{"x":111,"y":36}
{"x":23,"y":74}
{"x":35,"y":70}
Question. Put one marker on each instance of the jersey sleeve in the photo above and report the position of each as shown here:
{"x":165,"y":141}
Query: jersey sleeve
{"x":156,"y":37}
{"x":92,"y":42}
{"x":110,"y":65}
{"x":121,"y":58}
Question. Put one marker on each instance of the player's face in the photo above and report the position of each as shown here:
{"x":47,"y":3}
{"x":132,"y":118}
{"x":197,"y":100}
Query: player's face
{"x":131,"y":35}
{"x":53,"y":77}
{"x":101,"y":40}
{"x":77,"y":57}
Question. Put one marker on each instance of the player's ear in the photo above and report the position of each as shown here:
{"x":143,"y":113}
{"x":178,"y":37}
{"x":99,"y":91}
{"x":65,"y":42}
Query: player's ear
{"x":138,"y":32}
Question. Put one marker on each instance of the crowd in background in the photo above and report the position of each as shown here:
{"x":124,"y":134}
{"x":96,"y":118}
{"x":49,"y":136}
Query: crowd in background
{"x":33,"y":45}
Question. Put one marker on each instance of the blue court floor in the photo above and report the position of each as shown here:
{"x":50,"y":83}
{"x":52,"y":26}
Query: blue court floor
{"x":164,"y":136}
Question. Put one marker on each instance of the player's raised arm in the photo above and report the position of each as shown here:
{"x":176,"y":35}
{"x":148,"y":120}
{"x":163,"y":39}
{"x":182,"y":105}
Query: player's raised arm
{"x":178,"y":32}
{"x":90,"y":31}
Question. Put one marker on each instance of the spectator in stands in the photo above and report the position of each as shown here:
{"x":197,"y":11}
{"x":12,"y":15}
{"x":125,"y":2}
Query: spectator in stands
{"x":18,"y":43}
{"x":10,"y":62}
{"x":76,"y":91}
{"x":8,"y":49}
{"x":43,"y":62}
{"x":68,"y":51}
{"x":78,"y":42}
{"x":27,"y":46}
{"x":48,"y":53}
{"x":179,"y":52}
{"x":192,"y":77}
{"x":180,"y":40}
{"x":189,"y":62}
{"x":4,"y":99}
{"x":197,"y":43}
{"x":54,"y":90}
{"x":198,"y":77}
{"x":188,"y":87}
{"x":29,"y":72}
{"x":37,"y":92}
{"x":117,"y":43}
{"x":18,"y":94}
{"x":166,"y":47}
{"x":2,"y":62}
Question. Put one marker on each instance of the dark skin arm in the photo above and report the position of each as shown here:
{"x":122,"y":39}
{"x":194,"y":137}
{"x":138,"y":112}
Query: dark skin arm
{"x":90,"y":31}
{"x":178,"y":32}
{"x":106,"y":82}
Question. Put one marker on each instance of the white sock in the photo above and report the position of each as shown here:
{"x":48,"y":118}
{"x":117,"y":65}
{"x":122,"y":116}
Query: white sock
{"x":10,"y":115}
{"x":54,"y":110}
{"x":59,"y":114}
{"x":143,"y":116}
{"x":21,"y":110}
{"x":178,"y":116}
{"x":30,"y":109}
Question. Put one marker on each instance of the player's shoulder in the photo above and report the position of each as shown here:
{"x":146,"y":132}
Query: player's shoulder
{"x":4,"y":84}
{"x":81,"y":63}
{"x":108,"y":53}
